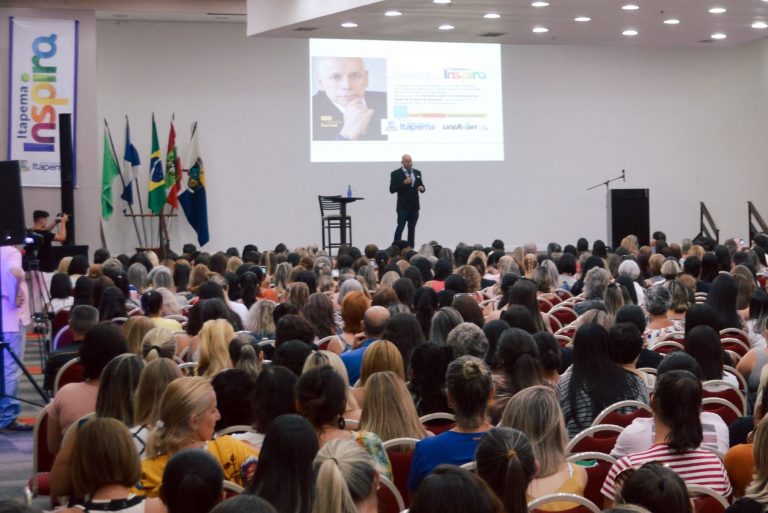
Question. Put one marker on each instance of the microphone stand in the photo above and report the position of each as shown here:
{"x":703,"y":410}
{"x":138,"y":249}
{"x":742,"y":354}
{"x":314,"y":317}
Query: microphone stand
{"x":622,"y":177}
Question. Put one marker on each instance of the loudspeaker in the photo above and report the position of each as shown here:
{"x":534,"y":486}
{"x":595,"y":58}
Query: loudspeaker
{"x":628,"y":215}
{"x":67,"y":160}
{"x":12,"y":230}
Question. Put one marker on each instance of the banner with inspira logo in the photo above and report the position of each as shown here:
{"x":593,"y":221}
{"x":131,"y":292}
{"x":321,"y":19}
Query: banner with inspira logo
{"x":42,"y":84}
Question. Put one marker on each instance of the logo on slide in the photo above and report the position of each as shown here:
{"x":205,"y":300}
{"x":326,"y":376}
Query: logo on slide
{"x":463,"y":74}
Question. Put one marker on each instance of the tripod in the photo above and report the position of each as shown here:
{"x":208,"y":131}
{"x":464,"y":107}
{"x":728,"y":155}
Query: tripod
{"x":41,"y":317}
{"x":5,"y":348}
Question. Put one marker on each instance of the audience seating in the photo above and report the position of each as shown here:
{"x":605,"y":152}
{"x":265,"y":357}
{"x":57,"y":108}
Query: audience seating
{"x":238,"y":428}
{"x":563,"y":294}
{"x":400,"y":452}
{"x":322,"y":344}
{"x":136,"y":311}
{"x":437,"y":423}
{"x":65,"y":337}
{"x":674,"y":336}
{"x":739,"y":378}
{"x":735,"y":357}
{"x":612,"y":415}
{"x":725,"y":390}
{"x":583,"y":505}
{"x":231,"y":489}
{"x":648,"y":370}
{"x":567,"y":331}
{"x":725,"y":409}
{"x":60,"y":320}
{"x":119,"y":320}
{"x":351,"y":424}
{"x":563,"y":340}
{"x":470,"y":465}
{"x":734,"y":344}
{"x":544,"y":304}
{"x":70,"y":372}
{"x":390,"y":500}
{"x":42,"y":457}
{"x":735,"y":333}
{"x":599,"y":438}
{"x":706,"y":500}
{"x":701,"y":297}
{"x":666,"y":347}
{"x":188,"y":368}
{"x":554,"y":324}
{"x":565,"y":314}
{"x":596,"y":473}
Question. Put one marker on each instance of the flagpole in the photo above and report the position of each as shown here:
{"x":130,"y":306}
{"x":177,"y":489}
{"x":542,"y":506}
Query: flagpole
{"x":141,"y":206}
{"x":114,"y":154}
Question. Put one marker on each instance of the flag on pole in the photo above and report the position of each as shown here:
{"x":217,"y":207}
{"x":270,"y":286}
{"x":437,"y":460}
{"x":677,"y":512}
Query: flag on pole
{"x":156,"y":178}
{"x":130,"y":166}
{"x":192,"y":196}
{"x":172,"y":170}
{"x":109,"y":171}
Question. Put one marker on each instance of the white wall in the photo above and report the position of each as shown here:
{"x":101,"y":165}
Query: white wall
{"x":686,"y":123}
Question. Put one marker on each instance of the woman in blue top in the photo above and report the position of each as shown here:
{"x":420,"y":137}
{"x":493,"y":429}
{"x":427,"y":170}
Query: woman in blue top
{"x":469,"y":388}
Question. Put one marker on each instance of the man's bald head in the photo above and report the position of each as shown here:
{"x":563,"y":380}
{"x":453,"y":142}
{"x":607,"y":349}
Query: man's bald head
{"x":375,"y":320}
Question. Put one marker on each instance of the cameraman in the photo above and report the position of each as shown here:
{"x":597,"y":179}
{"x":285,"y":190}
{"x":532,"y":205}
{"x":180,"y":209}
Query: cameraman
{"x":43,"y":228}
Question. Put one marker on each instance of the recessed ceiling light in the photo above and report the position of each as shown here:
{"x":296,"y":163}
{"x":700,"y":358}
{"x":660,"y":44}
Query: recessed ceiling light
{"x":719,"y":35}
{"x":441,"y":1}
{"x":582,"y":19}
{"x":630,"y":7}
{"x":672,"y":21}
{"x":760,"y":25}
{"x":349,"y":24}
{"x":393,"y":13}
{"x":540,"y":4}
{"x":630,"y":32}
{"x":717,"y":10}
{"x":446,"y":27}
{"x":540,"y":30}
{"x":492,"y":16}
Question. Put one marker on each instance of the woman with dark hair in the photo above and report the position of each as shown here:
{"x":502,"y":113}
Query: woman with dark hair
{"x":523,"y":292}
{"x":591,"y":262}
{"x":468,"y":309}
{"x":722,"y":299}
{"x":424,"y":306}
{"x":549,"y":357}
{"x":703,"y":343}
{"x":321,"y":397}
{"x":493,"y":331}
{"x":469,"y":387}
{"x":700,"y":314}
{"x":429,"y":362}
{"x":112,"y":304}
{"x":192,"y":483}
{"x":723,"y":256}
{"x":594,"y":382}
{"x":676,"y":408}
{"x":61,"y":293}
{"x":78,"y":267}
{"x":404,"y":331}
{"x":249,"y":288}
{"x":284,"y":474}
{"x":566,"y":266}
{"x":519,"y":364}
{"x":82,"y":291}
{"x":657,"y":488}
{"x":505,"y":461}
{"x":709,"y":271}
{"x":518,"y":316}
{"x":232,"y":387}
{"x":449,"y":489}
{"x":181,"y":273}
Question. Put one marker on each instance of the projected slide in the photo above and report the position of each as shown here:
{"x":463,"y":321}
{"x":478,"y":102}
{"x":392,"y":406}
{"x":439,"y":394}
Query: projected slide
{"x":371,"y":101}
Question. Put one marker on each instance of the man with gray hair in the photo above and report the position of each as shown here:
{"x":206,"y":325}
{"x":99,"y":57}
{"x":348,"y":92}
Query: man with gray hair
{"x":81,"y":319}
{"x":468,"y":339}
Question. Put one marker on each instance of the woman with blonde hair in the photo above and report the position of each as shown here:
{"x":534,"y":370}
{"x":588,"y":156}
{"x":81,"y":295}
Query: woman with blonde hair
{"x":380,"y":356}
{"x":353,"y":308}
{"x":154,"y":379}
{"x":536,"y":412}
{"x":530,"y":263}
{"x":260,"y":320}
{"x":345,"y":479}
{"x":283,"y":279}
{"x":214,"y":347}
{"x":134,"y":329}
{"x":103,"y":468}
{"x":158,"y":343}
{"x":388,"y":408}
{"x":170,"y":303}
{"x":188,"y":415}
{"x":320,"y":358}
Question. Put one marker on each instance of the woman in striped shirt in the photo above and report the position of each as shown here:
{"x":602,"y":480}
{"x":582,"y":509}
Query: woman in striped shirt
{"x":676,"y":407}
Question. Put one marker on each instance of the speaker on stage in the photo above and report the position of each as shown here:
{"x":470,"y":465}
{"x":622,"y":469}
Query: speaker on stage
{"x":12,"y":230}
{"x":628,"y":214}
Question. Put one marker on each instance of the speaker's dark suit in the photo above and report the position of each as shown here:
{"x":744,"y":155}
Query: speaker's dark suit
{"x":327,"y":120}
{"x":407,"y":202}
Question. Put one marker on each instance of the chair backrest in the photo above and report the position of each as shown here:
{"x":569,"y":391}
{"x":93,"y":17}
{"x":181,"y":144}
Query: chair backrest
{"x":739,"y":377}
{"x":231,"y":489}
{"x":42,"y":457}
{"x":734,"y":333}
{"x":390,"y":500}
{"x":238,"y":428}
{"x":565,"y":314}
{"x":65,"y":337}
{"x":563,"y":294}
{"x":706,"y":500}
{"x":600,"y":438}
{"x":70,"y":372}
{"x":329,"y":204}
{"x":351,"y":424}
{"x":322,"y":344}
{"x":544,"y":304}
{"x":563,"y":341}
{"x":734,"y":344}
{"x":136,"y":311}
{"x":613,"y":415}
{"x":567,"y":331}
{"x":439,"y":422}
{"x":581,"y":504}
{"x":554,"y":323}
{"x":675,"y":336}
{"x":725,"y":390}
{"x":188,"y":368}
{"x":596,"y":472}
{"x":666,"y":347}
{"x":725,"y":409}
{"x":60,"y":320}
{"x":400,"y":452}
